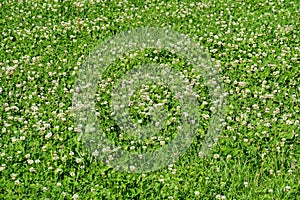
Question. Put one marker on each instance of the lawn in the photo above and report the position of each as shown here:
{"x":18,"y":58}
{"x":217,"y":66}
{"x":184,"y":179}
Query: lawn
{"x":47,"y":53}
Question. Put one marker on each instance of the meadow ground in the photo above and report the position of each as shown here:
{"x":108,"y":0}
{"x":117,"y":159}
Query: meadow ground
{"x":254,"y":44}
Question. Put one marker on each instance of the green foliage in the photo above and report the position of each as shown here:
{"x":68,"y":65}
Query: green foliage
{"x":255,"y":45}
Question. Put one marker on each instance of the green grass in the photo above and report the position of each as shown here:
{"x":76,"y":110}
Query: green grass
{"x":255,"y":44}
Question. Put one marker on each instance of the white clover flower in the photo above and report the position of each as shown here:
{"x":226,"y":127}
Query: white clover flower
{"x":287,"y":188}
{"x":22,"y":138}
{"x":44,"y":148}
{"x":216,"y":156}
{"x":32,"y":169}
{"x":13,"y":139}
{"x":132,"y":168}
{"x":48,"y":136}
{"x":205,"y":116}
{"x":30,"y":162}
{"x":132,"y":147}
{"x":72,"y":174}
{"x":55,"y":157}
{"x":270,"y":190}
{"x":58,"y":170}
{"x":75,"y":196}
{"x":17,"y":182}
{"x":64,"y":158}
{"x":255,"y":106}
{"x":78,"y":160}
{"x":162,"y":180}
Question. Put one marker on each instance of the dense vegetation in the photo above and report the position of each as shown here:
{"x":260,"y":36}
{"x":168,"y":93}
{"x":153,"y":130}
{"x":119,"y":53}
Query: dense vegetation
{"x":253,"y":43}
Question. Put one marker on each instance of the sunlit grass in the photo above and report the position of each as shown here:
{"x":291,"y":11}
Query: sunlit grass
{"x":254,"y":43}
